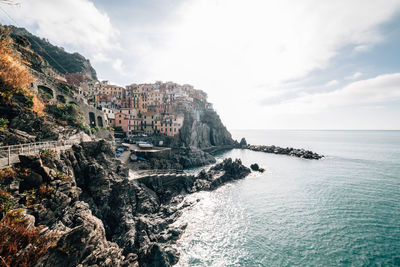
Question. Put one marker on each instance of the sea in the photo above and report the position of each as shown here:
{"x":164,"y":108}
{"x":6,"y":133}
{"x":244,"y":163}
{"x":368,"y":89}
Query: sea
{"x":343,"y":210}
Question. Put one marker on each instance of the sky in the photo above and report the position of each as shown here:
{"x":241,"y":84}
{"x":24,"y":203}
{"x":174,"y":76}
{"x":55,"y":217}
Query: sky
{"x":265,"y":64}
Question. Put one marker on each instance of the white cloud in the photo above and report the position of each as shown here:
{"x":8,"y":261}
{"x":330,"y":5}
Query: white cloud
{"x":118,"y":66}
{"x":243,"y":51}
{"x":355,"y":75}
{"x":332,"y":83}
{"x":376,"y":90}
{"x":230,"y":47}
{"x":75,"y":23}
{"x":362,"y":48}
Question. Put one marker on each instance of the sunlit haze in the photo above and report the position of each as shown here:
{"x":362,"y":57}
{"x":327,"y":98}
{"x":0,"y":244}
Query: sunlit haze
{"x":264,"y":64}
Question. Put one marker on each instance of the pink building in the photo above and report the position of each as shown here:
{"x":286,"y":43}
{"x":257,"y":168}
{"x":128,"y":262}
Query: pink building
{"x":121,"y":120}
{"x":169,"y":125}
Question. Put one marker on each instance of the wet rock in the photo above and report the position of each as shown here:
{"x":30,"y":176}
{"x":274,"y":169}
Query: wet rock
{"x":257,"y":168}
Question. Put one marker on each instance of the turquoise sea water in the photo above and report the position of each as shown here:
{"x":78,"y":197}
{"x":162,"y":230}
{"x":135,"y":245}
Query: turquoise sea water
{"x":340,"y":211}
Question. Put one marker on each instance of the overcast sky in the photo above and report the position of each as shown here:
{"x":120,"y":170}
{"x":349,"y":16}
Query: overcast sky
{"x":304,"y":64}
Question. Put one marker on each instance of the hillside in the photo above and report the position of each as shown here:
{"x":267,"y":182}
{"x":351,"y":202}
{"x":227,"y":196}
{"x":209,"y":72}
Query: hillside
{"x":55,"y":56}
{"x":35,"y":103}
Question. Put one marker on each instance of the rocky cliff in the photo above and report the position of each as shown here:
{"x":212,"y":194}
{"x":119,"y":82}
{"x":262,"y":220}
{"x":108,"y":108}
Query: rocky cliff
{"x":59,"y":59}
{"x":203,"y":129}
{"x":97,"y":215}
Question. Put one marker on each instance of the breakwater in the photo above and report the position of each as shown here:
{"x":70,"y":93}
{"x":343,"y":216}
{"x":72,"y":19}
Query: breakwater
{"x":300,"y":153}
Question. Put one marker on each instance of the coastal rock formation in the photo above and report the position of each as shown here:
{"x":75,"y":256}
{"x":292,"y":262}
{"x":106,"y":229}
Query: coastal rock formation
{"x":243,"y":142}
{"x":300,"y":153}
{"x":256,"y":168}
{"x":168,"y":187}
{"x":203,"y":129}
{"x":182,"y":158}
{"x":100,"y":215}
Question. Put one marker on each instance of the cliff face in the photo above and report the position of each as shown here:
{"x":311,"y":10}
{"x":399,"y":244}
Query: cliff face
{"x":203,"y":130}
{"x":102,"y":217}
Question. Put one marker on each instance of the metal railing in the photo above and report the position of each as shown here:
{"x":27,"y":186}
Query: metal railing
{"x":9,"y":154}
{"x":167,"y":171}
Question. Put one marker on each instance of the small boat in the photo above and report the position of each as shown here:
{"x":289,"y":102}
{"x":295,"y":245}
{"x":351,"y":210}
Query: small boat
{"x":142,"y":159}
{"x":145,"y":145}
{"x":133,"y":157}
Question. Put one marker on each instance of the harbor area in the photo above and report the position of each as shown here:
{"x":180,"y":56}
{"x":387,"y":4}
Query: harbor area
{"x":143,"y":153}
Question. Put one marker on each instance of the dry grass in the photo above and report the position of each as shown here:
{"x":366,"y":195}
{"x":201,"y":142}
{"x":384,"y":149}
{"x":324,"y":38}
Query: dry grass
{"x":14,"y":75}
{"x":8,"y":173}
{"x":38,"y":106}
{"x":21,"y":244}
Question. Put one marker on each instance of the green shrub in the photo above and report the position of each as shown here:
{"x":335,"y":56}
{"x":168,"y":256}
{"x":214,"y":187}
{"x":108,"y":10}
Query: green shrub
{"x":65,"y":112}
{"x":66,"y":89}
{"x":3,"y":123}
{"x":28,"y":198}
{"x":95,"y":129}
{"x":46,"y":153}
{"x":85,"y":128}
{"x":61,"y":175}
{"x":6,"y":202}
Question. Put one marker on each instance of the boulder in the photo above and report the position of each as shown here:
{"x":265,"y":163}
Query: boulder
{"x":31,"y":181}
{"x":257,"y":168}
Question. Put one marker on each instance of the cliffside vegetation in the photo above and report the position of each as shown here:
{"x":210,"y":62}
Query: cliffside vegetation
{"x":29,"y":109}
{"x":55,"y":56}
{"x":21,"y":242}
{"x":15,"y":76}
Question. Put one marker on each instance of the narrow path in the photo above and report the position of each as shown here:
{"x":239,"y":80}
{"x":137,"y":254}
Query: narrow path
{"x":10,"y":154}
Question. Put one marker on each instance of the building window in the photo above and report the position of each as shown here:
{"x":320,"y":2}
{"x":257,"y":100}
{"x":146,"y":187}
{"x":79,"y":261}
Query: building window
{"x":120,"y":121}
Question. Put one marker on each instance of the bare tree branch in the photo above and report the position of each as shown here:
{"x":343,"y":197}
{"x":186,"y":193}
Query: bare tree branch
{"x":9,"y":2}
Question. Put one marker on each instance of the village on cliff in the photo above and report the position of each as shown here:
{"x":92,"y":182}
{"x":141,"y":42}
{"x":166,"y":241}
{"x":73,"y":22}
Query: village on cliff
{"x":137,"y":109}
